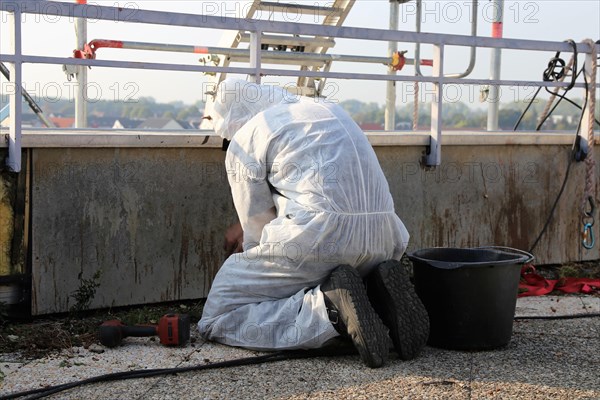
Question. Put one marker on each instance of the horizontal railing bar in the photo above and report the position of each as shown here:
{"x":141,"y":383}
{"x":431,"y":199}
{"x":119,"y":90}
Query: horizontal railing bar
{"x":126,"y":64}
{"x":111,"y":138}
{"x":279,"y":72}
{"x":322,"y":11}
{"x":228,"y":23}
{"x":108,"y":138}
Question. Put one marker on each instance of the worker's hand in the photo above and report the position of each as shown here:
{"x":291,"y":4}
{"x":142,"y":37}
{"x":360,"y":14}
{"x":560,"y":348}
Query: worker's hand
{"x":234,"y":237}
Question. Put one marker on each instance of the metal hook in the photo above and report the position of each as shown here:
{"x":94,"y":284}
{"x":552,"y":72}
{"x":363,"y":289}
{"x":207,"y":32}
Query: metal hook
{"x":588,"y":236}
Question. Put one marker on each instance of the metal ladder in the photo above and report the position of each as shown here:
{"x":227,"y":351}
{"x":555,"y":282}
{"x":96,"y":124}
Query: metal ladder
{"x":334,"y":14}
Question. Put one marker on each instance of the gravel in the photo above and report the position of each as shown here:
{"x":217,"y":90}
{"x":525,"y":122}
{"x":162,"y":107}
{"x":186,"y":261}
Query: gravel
{"x":545,"y":359}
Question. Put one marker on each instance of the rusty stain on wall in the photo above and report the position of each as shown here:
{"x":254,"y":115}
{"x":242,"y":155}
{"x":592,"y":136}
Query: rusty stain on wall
{"x":13,"y":228}
{"x":153,"y":219}
{"x":489,"y":195}
{"x":6,"y":227}
{"x":146,"y":218}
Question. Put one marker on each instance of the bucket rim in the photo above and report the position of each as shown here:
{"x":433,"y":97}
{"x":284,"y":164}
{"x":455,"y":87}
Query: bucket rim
{"x":528,"y":257}
{"x":521,"y":257}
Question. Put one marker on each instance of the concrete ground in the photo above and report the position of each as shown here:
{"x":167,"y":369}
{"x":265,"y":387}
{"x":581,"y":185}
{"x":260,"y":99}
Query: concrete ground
{"x":546,"y":359}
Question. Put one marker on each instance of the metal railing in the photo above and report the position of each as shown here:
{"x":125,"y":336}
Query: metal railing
{"x":255,"y":69}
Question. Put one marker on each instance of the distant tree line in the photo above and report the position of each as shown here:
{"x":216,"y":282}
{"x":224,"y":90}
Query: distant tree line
{"x":456,"y":115}
{"x":142,"y":108}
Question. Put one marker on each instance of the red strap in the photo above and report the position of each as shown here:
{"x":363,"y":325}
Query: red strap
{"x":578,"y":285}
{"x":533,"y":284}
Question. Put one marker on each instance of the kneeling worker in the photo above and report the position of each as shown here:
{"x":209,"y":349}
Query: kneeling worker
{"x":316,"y":221}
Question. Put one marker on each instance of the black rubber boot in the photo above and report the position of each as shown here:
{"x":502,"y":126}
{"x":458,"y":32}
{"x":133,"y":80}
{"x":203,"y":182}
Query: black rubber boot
{"x":394,"y":298}
{"x":347,"y":301}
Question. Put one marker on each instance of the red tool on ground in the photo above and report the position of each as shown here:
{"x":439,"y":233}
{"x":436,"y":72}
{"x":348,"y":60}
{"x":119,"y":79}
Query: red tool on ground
{"x":172,"y":330}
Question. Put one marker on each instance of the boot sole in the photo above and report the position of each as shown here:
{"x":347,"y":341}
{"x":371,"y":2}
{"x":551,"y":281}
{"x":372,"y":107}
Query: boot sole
{"x":399,"y":306}
{"x":365,"y":328}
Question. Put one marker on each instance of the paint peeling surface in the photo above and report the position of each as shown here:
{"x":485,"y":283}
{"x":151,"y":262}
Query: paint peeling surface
{"x":151,"y":221}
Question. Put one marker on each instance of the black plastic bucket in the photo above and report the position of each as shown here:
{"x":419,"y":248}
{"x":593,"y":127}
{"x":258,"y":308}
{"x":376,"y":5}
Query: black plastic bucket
{"x":470,"y":294}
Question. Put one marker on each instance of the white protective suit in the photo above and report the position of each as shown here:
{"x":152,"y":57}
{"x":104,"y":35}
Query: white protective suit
{"x":310,"y":195}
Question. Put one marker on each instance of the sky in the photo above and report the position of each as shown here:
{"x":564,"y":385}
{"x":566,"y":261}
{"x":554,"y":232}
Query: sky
{"x":551,"y":20}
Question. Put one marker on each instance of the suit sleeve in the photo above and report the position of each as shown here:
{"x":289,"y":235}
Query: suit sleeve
{"x":247,"y":172}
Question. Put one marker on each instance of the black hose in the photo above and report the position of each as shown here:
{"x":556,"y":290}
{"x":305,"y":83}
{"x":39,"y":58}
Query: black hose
{"x":43,"y":392}
{"x":551,"y":317}
{"x":527,"y":108}
{"x":572,"y":157}
{"x":147,"y":373}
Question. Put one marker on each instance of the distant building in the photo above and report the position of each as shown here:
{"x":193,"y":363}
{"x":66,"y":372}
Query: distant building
{"x":404,"y":125}
{"x":560,"y":118}
{"x":160,"y":123}
{"x":195,"y":123}
{"x":186,"y":124}
{"x":97,"y":121}
{"x":371,"y":126}
{"x":63,"y":122}
{"x":126,"y":123}
{"x":93,"y":121}
{"x":27,"y":121}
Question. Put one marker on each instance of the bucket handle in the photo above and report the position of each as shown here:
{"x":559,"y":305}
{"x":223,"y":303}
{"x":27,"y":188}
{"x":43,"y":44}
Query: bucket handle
{"x":437,"y":264}
{"x":529,"y":257}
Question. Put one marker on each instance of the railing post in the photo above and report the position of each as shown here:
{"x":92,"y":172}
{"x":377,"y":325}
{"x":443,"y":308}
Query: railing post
{"x":255,"y":54}
{"x":13,"y":161}
{"x":495,"y":65}
{"x":435,"y":150}
{"x":82,"y":73}
{"x":390,"y":98}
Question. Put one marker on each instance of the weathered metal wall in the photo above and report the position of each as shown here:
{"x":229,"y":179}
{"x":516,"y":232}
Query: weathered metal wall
{"x":152,"y":220}
{"x":491,"y":195}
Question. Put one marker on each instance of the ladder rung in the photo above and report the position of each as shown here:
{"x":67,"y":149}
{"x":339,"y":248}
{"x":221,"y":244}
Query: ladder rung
{"x":290,"y":40}
{"x":301,"y":9}
{"x":301,"y":90}
{"x":277,"y":60}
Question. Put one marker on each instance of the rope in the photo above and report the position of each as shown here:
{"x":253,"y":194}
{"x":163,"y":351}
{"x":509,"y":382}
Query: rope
{"x":544,"y":113}
{"x":590,"y":163}
{"x":416,"y":107}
